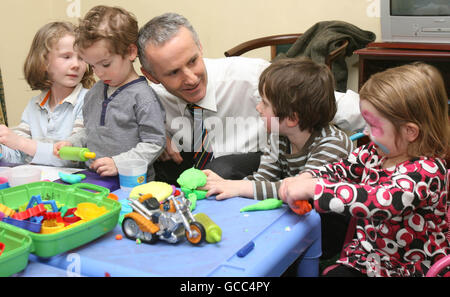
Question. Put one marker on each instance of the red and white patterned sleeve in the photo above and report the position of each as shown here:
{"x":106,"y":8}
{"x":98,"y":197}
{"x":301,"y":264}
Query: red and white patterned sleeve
{"x":385,"y":194}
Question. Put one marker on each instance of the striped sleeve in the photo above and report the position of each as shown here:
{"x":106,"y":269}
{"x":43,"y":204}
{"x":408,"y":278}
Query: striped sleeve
{"x":264,"y":190}
{"x":331,"y":146}
{"x":270,"y":170}
{"x":270,"y":166}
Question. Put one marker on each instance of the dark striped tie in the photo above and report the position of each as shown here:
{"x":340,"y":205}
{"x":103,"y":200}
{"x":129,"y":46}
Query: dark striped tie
{"x":201,"y":144}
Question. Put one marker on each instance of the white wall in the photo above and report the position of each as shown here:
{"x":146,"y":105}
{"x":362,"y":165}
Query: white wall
{"x":220,"y":24}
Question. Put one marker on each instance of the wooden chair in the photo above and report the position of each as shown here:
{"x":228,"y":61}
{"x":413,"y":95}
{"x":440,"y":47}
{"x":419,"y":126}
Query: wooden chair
{"x":281,"y":44}
{"x":3,"y":117}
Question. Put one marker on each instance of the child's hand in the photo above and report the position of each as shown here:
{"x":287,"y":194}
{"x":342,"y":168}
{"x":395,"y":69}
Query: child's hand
{"x":212,"y":176}
{"x":58,"y":145}
{"x":10,"y":139}
{"x":170,"y":153}
{"x":229,"y":188}
{"x":104,"y":167}
{"x":226,"y":188}
{"x":300,"y":187}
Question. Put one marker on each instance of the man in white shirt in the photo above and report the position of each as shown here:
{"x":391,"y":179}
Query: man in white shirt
{"x":226,"y":89}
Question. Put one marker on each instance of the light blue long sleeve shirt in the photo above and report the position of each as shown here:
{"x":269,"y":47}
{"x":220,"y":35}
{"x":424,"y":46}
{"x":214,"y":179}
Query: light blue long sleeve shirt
{"x":39,"y":123}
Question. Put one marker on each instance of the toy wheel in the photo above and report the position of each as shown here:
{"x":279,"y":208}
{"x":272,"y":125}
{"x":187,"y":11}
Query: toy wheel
{"x":130,"y":228}
{"x":148,"y":237}
{"x":198,"y":231}
{"x":132,"y":231}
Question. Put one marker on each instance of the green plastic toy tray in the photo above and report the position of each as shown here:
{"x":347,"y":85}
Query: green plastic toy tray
{"x":48,"y":245}
{"x":17,"y":248}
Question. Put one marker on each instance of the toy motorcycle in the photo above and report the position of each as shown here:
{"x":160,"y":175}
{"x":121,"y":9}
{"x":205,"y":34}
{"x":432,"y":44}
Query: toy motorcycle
{"x":171,"y":220}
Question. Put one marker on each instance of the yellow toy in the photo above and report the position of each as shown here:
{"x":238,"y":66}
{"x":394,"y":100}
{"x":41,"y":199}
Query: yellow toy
{"x":159,"y":190}
{"x":6,"y":210}
{"x":213,"y":231}
{"x":88,"y":211}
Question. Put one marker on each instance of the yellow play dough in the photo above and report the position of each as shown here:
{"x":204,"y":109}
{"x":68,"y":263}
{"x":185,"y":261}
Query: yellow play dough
{"x":89,"y":211}
{"x":159,"y":190}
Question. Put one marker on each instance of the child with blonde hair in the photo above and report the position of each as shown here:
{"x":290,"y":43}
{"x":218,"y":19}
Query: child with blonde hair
{"x":123,"y":117}
{"x":395,"y":186}
{"x":55,"y":68}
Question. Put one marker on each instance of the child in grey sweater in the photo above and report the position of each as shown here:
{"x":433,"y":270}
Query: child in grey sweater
{"x":123,"y":117}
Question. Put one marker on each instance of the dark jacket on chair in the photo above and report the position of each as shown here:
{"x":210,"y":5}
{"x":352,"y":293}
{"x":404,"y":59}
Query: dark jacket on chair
{"x":324,"y":37}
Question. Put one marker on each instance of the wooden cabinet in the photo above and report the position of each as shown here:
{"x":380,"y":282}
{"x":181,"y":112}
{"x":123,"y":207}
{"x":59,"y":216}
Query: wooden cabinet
{"x":379,"y":56}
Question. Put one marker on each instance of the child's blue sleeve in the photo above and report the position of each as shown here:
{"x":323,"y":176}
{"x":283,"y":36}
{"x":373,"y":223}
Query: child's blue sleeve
{"x":12,"y":156}
{"x":44,"y":155}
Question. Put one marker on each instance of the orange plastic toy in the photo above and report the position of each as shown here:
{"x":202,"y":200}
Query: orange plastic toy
{"x":113,"y":196}
{"x":302,"y":207}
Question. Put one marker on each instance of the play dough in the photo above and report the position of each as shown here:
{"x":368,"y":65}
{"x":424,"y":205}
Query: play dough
{"x":159,"y":190}
{"x":189,"y":180}
{"x":192,"y":178}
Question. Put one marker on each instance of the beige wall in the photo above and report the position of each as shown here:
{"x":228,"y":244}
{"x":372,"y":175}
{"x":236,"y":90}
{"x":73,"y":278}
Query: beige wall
{"x":220,"y":24}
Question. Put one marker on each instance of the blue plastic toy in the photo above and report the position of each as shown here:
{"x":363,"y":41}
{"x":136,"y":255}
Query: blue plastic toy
{"x":37,"y":199}
{"x":357,"y":136}
{"x":246,"y":249}
{"x":71,"y":178}
{"x":33,"y":227}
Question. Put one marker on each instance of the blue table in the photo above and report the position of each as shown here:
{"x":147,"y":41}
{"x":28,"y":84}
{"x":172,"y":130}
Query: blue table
{"x":36,"y":269}
{"x":280,"y":237}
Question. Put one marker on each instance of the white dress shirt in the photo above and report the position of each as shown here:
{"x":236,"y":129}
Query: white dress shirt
{"x":230,"y":115}
{"x":229,"y":107}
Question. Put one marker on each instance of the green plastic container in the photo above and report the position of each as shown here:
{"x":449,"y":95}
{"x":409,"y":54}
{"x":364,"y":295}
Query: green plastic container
{"x":17,"y":248}
{"x":48,"y":245}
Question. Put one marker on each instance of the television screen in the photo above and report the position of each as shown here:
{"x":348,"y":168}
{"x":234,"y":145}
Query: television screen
{"x":421,"y":21}
{"x":420,"y":7}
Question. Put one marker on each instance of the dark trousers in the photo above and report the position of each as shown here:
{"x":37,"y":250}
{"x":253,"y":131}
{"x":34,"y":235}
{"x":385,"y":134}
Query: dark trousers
{"x":334,"y":229}
{"x":229,"y":167}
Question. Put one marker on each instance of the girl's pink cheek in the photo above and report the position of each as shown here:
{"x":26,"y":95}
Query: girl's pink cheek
{"x":376,"y":132}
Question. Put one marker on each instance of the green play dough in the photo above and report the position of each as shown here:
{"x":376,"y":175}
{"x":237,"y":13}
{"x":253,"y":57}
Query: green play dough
{"x":192,"y":178}
{"x":267,"y":204}
{"x":193,"y":199}
{"x":189,"y":180}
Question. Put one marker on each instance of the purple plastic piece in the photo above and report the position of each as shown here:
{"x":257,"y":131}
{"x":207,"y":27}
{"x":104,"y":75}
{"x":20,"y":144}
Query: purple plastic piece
{"x":2,"y":215}
{"x":6,"y":164}
{"x":109,"y":182}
